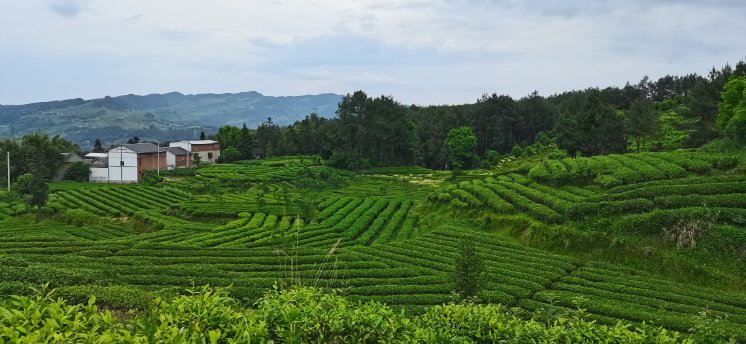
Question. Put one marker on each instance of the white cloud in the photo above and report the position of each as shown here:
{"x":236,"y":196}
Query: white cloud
{"x":440,"y":51}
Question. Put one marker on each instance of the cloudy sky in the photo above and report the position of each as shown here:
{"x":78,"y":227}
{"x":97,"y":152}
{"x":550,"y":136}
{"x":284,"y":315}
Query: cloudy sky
{"x":423,"y":52}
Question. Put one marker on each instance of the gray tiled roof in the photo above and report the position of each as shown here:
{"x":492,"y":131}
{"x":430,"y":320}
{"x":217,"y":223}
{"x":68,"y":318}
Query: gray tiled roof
{"x":177,"y":150}
{"x":143,"y":148}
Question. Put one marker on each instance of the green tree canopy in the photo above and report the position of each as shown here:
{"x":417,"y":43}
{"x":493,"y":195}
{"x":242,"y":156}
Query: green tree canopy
{"x":246,"y":143}
{"x":33,"y":188}
{"x":731,"y":120}
{"x":35,"y":152}
{"x":460,"y":144}
{"x":673,"y":132}
{"x":269,"y":138}
{"x":591,"y":126}
{"x":78,"y":171}
{"x":640,"y":121}
{"x":230,"y":154}
{"x":196,"y":160}
{"x":228,"y":136}
{"x":378,"y":130}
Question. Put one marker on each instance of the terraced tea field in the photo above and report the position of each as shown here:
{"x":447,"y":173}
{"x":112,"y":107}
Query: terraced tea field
{"x":387,"y":237}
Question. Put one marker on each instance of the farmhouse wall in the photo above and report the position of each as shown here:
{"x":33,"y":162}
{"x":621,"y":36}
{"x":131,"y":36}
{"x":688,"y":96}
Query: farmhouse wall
{"x":206,"y":147}
{"x":182,"y":161}
{"x":208,"y":150}
{"x":99,"y":174}
{"x":150,"y":161}
{"x":122,"y":163}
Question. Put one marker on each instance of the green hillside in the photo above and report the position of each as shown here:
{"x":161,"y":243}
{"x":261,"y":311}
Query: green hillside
{"x":162,"y":117}
{"x":653,"y":238}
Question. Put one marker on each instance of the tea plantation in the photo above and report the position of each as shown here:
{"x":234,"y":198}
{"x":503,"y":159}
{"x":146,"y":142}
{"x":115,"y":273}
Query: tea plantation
{"x":652,"y":238}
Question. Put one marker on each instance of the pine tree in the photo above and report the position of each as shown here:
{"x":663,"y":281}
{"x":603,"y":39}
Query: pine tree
{"x":468,"y":274}
{"x":245,"y":144}
{"x":97,"y":148}
{"x":640,"y":121}
{"x":591,"y":127}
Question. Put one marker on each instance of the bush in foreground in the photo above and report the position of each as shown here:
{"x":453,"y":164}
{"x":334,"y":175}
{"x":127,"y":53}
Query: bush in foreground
{"x":298,"y":315}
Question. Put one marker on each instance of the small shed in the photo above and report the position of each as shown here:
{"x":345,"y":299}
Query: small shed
{"x":176,"y":157}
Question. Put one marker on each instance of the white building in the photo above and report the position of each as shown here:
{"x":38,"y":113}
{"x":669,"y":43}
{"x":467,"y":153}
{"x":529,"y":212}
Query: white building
{"x":122,"y":165}
{"x":127,"y":163}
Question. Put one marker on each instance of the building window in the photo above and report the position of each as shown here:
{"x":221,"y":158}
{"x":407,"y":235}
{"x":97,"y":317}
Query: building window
{"x":209,"y":155}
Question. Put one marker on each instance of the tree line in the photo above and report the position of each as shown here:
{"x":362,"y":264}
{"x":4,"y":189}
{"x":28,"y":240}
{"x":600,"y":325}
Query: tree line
{"x":669,"y":113}
{"x":34,"y":161}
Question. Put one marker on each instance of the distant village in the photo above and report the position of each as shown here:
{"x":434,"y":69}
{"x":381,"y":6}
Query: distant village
{"x":127,"y":163}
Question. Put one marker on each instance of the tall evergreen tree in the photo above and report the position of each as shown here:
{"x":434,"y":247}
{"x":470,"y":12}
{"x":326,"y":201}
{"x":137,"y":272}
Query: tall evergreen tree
{"x":351,"y":113}
{"x":640,"y":121}
{"x":498,"y":121}
{"x":593,"y":128}
{"x":97,"y":147}
{"x":537,"y":116}
{"x":245,"y":144}
{"x":468,"y":275}
{"x":378,"y":130}
{"x":269,"y":138}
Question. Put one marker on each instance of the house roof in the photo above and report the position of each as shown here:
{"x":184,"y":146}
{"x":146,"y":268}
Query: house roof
{"x":177,"y":150}
{"x":144,"y":148}
{"x":202,"y":142}
{"x":70,"y":157}
{"x":96,"y":155}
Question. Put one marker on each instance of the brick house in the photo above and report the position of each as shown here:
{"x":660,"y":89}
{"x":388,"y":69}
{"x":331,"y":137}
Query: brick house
{"x":208,"y":150}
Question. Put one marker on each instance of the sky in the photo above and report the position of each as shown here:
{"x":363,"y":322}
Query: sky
{"x":420,"y":52}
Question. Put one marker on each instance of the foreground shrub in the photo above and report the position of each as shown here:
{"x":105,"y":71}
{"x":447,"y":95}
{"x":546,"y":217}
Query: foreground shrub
{"x":206,"y":315}
{"x":305,"y":315}
{"x":495,"y":324}
{"x":42,"y":319}
{"x":299,"y":315}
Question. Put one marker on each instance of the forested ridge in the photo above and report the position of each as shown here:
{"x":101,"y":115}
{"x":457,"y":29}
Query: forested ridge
{"x":652,"y":115}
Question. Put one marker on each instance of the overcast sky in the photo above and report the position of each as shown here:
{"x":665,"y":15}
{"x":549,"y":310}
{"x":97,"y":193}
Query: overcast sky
{"x":421,"y":52}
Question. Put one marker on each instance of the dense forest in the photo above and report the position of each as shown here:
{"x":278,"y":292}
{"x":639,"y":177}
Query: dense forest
{"x":670,"y":113}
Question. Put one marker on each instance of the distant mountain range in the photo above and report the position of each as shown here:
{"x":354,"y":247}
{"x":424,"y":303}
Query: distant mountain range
{"x":170,"y":116}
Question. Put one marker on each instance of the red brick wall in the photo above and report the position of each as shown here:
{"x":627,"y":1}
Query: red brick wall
{"x":206,"y":148}
{"x":149,"y":161}
{"x":182,"y":161}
